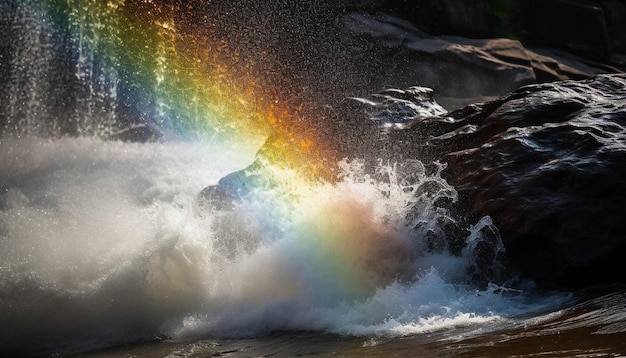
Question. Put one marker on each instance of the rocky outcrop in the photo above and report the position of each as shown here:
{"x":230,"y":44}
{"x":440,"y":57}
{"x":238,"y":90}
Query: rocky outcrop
{"x":547,"y":163}
{"x":594,"y":29}
{"x":460,"y":69}
{"x":543,"y":161}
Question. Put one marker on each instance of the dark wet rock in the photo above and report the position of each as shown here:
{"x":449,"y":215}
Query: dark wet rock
{"x":235,"y":186}
{"x":548,"y":164}
{"x":395,"y":107}
{"x":218,"y":197}
{"x":459,"y":67}
{"x":594,"y":29}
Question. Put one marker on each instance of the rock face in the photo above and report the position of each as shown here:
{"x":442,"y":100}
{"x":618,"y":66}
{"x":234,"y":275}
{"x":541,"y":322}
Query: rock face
{"x":594,"y":29}
{"x":545,"y":162}
{"x":460,"y":69}
{"x":548,"y":164}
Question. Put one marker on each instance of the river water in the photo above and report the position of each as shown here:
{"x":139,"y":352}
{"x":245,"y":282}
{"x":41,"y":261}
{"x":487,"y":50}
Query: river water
{"x":593,"y":328}
{"x":107,"y":250}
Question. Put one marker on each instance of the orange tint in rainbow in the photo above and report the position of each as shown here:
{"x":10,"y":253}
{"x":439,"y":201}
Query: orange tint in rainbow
{"x":194,"y":83}
{"x":200,"y":88}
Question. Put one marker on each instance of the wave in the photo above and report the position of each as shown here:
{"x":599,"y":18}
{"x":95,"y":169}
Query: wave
{"x":105,"y":243}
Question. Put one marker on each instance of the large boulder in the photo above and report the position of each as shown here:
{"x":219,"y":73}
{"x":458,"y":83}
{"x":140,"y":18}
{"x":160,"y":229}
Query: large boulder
{"x":461,"y":69}
{"x":548,"y":164}
{"x":594,"y":29}
{"x":543,"y":161}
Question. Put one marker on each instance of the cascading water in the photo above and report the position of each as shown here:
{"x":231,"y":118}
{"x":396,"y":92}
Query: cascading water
{"x":106,"y":242}
{"x":26,"y":69}
{"x":95,"y":110}
{"x":56,"y":81}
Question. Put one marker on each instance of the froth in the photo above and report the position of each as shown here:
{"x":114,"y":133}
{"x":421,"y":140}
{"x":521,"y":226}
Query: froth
{"x":105,"y":242}
{"x":99,"y":240}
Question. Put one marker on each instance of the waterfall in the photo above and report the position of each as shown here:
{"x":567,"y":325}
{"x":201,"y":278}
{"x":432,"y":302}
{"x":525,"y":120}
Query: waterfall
{"x":95,"y":67}
{"x":61,"y":66}
{"x":106,"y":242}
{"x":29,"y":69}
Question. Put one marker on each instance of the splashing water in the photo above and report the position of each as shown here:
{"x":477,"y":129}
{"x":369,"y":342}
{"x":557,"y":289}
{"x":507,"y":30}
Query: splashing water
{"x":141,"y":70}
{"x":104,"y":242}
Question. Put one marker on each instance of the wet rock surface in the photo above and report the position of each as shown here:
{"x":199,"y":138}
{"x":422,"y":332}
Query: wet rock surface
{"x":594,"y":29}
{"x":459,"y":69}
{"x":547,"y":163}
{"x":544,"y":161}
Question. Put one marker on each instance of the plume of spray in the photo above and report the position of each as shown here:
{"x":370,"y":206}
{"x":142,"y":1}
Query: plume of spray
{"x":112,"y":237}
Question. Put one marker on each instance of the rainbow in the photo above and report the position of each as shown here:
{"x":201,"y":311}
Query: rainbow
{"x":201,"y":88}
{"x":194,"y":83}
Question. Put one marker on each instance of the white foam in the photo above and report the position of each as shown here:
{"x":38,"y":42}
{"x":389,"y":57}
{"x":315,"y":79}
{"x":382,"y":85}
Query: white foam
{"x":102,"y":238}
{"x":104,"y":242}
